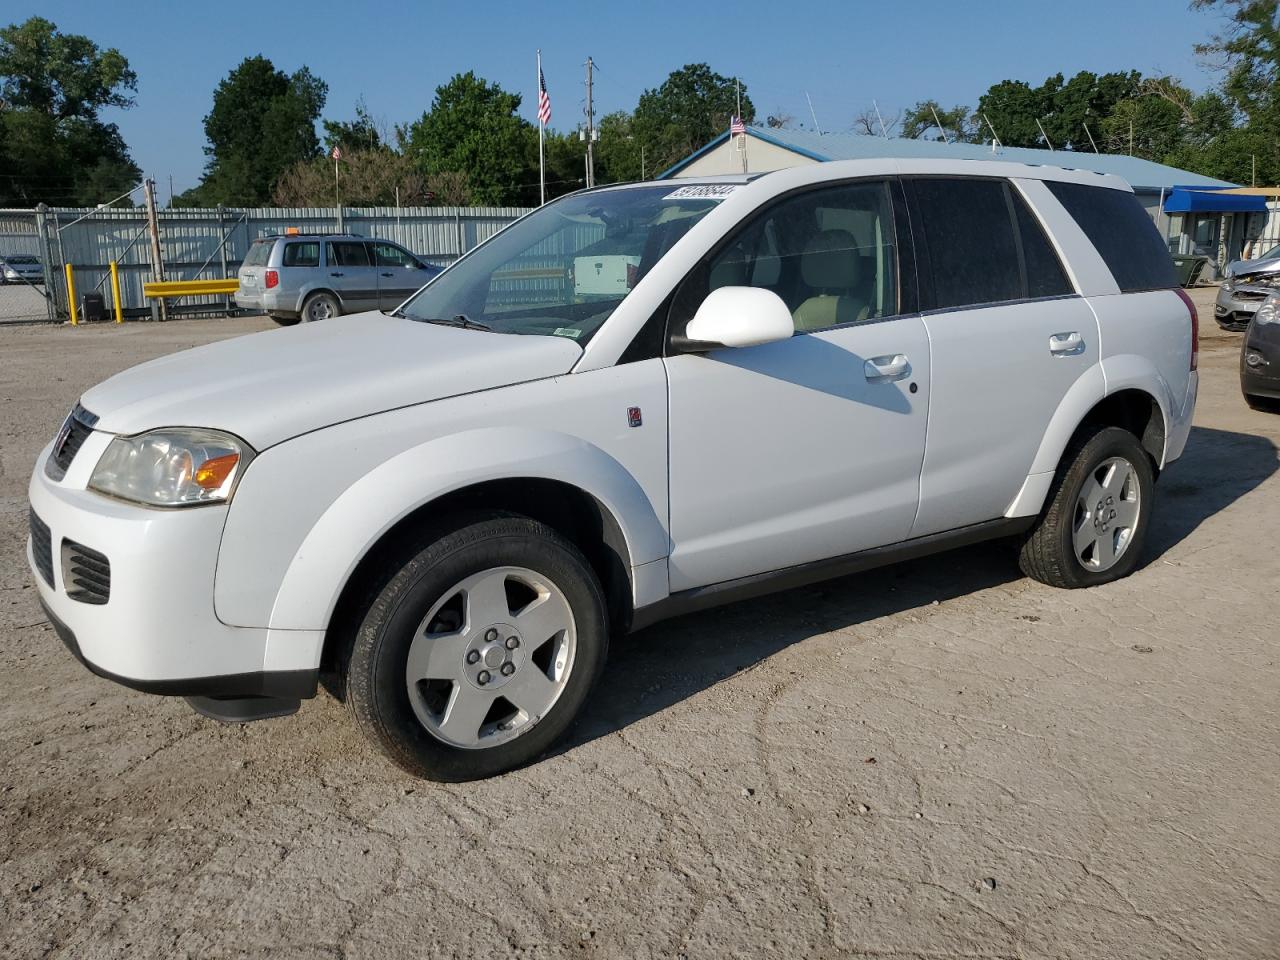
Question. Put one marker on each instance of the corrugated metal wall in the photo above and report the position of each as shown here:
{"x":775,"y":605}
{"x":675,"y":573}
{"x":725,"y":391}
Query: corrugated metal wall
{"x":190,"y":238}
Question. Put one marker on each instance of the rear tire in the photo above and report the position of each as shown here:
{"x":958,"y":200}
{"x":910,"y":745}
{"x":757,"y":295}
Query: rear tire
{"x":478,"y":649}
{"x":1095,"y":521}
{"x":320,"y":306}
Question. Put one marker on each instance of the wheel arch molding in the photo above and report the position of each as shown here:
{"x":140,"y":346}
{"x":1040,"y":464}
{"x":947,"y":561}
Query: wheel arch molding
{"x":573,"y":486}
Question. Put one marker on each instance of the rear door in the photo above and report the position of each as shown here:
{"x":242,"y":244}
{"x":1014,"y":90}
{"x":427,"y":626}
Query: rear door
{"x":1008,"y":335}
{"x":351,"y":274}
{"x":400,"y":273}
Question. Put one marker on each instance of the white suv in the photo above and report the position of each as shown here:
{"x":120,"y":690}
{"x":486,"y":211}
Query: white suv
{"x":635,"y":402}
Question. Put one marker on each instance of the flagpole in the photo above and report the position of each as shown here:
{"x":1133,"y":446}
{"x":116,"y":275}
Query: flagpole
{"x":738,"y":85}
{"x":542,"y":169}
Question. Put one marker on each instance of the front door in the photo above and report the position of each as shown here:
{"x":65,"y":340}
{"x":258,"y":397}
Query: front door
{"x":809,"y":448}
{"x":400,"y":275}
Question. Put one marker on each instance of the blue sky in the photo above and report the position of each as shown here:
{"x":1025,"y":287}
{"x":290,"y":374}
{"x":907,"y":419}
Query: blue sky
{"x":396,"y":52}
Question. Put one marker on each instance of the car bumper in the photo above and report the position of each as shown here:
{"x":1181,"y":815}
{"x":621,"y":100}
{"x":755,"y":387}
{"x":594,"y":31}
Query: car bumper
{"x":1262,"y":377}
{"x":157,"y":630}
{"x":265,"y":301}
{"x":1235,"y":307}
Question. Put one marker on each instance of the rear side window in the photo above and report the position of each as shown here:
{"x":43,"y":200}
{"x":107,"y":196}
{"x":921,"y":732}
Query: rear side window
{"x":1123,"y":234}
{"x":302,"y":254}
{"x":259,"y":253}
{"x":983,"y":245}
{"x":345,"y":254}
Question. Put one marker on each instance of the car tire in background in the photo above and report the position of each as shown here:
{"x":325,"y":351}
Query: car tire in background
{"x":283,"y":320}
{"x":477,"y":648}
{"x":1095,"y":520}
{"x":320,"y":306}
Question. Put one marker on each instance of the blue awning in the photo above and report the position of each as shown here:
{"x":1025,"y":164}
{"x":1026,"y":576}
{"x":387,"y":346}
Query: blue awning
{"x":1191,"y":200}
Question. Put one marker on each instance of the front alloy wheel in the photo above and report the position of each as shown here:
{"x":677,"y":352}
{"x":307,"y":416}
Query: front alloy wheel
{"x":478,"y":648}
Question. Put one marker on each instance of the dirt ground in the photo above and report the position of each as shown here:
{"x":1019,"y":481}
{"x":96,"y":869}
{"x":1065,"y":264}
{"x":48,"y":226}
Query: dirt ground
{"x":939,"y":759}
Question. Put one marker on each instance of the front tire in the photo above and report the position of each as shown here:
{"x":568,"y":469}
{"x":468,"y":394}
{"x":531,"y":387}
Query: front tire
{"x":283,"y":320}
{"x":478,"y":651}
{"x":1099,"y":507}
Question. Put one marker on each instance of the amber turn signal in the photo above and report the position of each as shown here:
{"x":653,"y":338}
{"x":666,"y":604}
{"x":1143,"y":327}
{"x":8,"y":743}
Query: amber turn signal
{"x":212,"y":474}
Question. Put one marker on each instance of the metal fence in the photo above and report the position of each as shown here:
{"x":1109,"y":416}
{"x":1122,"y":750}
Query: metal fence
{"x":203,"y":244}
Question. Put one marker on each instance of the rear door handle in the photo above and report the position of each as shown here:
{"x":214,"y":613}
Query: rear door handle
{"x":335,"y":274}
{"x":1066,"y":344}
{"x":894,"y":366}
{"x":388,"y":274}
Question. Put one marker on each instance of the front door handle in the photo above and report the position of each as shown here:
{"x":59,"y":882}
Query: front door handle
{"x":886,"y":369}
{"x":1066,"y":344}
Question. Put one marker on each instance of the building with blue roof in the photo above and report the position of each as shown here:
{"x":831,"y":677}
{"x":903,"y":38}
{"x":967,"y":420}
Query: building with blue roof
{"x":1191,"y":211}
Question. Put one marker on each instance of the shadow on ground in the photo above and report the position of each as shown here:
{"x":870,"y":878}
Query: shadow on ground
{"x":671,"y":661}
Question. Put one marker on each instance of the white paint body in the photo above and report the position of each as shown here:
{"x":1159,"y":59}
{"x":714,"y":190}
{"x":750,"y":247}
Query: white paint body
{"x":749,"y":459}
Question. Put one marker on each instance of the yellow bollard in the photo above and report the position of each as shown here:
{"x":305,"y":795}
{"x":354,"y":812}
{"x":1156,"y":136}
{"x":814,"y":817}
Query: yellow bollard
{"x":115,"y":291}
{"x":71,"y":296}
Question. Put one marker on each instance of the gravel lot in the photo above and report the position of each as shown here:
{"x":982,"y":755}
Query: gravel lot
{"x":940,"y":759}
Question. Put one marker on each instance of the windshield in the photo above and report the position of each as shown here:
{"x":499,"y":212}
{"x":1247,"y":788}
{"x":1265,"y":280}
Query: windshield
{"x":259,"y":253}
{"x":562,"y":270}
{"x":26,"y":261}
{"x":1271,"y":254}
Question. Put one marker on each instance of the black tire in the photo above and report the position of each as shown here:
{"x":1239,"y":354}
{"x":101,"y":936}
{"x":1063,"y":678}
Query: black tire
{"x":1047,"y":552}
{"x":374,"y":670}
{"x":1262,"y":404}
{"x":320,"y":306}
{"x":284,"y":321}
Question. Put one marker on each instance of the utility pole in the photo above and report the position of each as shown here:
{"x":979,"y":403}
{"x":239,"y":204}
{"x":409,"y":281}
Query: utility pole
{"x":171,"y":191}
{"x":591,"y":130}
{"x":158,"y":309}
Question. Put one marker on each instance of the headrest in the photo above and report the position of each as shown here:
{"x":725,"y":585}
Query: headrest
{"x":831,"y":261}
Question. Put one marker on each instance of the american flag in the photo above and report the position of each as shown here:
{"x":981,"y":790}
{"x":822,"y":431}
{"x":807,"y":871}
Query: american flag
{"x":736,"y":126}
{"x":544,"y":100}
{"x":337,"y":153}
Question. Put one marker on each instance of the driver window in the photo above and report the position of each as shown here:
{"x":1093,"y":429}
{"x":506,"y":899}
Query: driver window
{"x":391,"y":256}
{"x":828,"y":253}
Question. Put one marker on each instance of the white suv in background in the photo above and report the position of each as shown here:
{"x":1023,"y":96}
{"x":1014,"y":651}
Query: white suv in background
{"x":634,"y":402}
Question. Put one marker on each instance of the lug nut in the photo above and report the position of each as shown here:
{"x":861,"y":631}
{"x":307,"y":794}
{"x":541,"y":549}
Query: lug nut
{"x":513,"y":642}
{"x":482,"y":677}
{"x":491,"y":635}
{"x":473,"y":656}
{"x":508,"y":669}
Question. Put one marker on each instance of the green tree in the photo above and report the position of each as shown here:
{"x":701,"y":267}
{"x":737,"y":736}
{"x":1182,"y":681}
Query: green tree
{"x":262,"y":123}
{"x":918,"y":122}
{"x":474,"y":127}
{"x":691,"y":107}
{"x":1063,"y":107}
{"x":54,"y":147}
{"x":362,"y":133}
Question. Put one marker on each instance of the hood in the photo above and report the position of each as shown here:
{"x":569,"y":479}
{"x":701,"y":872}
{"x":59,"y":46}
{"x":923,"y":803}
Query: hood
{"x":268,"y":387}
{"x":1237,"y":267}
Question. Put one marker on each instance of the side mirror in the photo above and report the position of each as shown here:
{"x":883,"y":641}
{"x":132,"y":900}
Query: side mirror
{"x":737,"y":317}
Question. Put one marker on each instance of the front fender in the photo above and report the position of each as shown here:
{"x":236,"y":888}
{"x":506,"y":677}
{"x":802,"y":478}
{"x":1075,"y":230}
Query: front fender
{"x":376,"y":502}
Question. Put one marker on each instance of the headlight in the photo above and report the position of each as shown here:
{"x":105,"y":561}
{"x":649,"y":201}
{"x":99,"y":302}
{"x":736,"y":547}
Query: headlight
{"x":1269,"y":312}
{"x":172,"y":468}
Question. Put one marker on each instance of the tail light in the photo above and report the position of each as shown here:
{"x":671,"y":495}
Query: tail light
{"x":1195,"y":328}
{"x":272,"y":279}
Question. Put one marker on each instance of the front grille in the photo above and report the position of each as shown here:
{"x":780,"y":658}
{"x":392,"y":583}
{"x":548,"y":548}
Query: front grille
{"x":1250,"y":294}
{"x":75,"y":431}
{"x":86,"y":573}
{"x":41,"y":546}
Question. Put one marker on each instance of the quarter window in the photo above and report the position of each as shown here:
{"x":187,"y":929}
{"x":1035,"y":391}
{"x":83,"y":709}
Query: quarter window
{"x":301,"y":255}
{"x":830,"y":254}
{"x":1122,"y":233}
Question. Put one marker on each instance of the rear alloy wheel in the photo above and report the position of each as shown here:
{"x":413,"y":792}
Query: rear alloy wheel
{"x":320,"y":306}
{"x":1093,"y":526}
{"x":477,"y":653}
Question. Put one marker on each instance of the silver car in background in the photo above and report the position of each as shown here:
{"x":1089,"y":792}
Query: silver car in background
{"x":1246,"y":284}
{"x":316,"y":276}
{"x":21,"y":268}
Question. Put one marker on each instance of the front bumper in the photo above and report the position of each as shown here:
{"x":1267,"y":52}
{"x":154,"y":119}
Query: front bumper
{"x":1236,"y":304}
{"x":1262,"y":378}
{"x":157,"y":630}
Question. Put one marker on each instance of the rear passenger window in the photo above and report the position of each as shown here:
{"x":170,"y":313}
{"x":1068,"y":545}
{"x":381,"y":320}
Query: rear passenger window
{"x":346,"y":254}
{"x":1122,"y":233}
{"x":969,"y":235}
{"x":301,"y":255}
{"x":1045,"y":276}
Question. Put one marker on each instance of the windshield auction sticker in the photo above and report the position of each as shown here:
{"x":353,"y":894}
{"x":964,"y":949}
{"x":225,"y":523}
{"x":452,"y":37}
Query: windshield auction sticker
{"x":703,"y":191}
